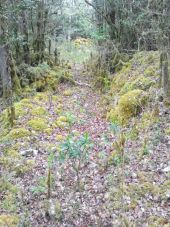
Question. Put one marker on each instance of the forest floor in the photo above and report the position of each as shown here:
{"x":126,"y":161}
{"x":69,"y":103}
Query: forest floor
{"x":106,"y":189}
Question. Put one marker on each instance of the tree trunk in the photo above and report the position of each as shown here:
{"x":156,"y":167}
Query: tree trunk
{"x":164,"y":75}
{"x":6,"y":81}
{"x":42,"y":16}
{"x":25,"y":39}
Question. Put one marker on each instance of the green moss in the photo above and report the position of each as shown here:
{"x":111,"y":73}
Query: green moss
{"x":39,"y":111}
{"x":27,"y":103}
{"x":68,"y":92}
{"x":58,"y":109}
{"x":18,"y":133}
{"x":19,"y":110}
{"x":24,"y":167}
{"x":134,"y":75}
{"x":9,"y":220}
{"x":129,"y":106}
{"x":61,"y":124}
{"x":151,"y":71}
{"x":148,"y":119}
{"x":28,"y":92}
{"x":139,"y":190}
{"x":155,"y":221}
{"x":62,"y":119}
{"x":22,"y":107}
{"x":42,"y":97}
{"x":5,"y":185}
{"x":142,"y":83}
{"x":60,"y":138}
{"x":167,"y":131}
{"x":10,"y":159}
{"x":40,"y":85}
{"x":38,"y":124}
{"x":52,"y":81}
{"x":48,"y":131}
{"x":9,"y":202}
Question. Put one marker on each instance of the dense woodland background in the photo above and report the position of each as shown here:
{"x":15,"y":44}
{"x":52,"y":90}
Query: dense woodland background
{"x":84,"y":113}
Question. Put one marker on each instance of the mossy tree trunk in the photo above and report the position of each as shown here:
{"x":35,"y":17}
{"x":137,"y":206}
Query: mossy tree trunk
{"x":164,"y":74}
{"x":5,"y":70}
{"x":42,"y":16}
{"x":25,"y":39}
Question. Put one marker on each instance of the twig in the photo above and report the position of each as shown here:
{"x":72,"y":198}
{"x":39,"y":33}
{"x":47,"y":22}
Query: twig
{"x":82,"y":84}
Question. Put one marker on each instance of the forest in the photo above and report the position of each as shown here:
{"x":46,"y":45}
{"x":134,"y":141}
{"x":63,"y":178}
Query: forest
{"x":85,"y":113}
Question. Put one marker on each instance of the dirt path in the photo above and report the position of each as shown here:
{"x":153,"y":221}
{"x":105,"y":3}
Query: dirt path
{"x":83,"y":106}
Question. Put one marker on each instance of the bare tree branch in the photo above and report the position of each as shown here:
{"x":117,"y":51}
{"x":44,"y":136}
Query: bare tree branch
{"x":99,"y":12}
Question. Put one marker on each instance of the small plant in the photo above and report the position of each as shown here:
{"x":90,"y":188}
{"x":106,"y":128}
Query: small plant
{"x":41,"y":186}
{"x":76,"y":151}
{"x":145,"y":148}
{"x":70,"y":118}
{"x":115,"y":128}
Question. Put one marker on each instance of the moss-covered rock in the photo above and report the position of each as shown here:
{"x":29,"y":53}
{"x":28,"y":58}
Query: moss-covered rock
{"x":39,"y":111}
{"x":129,"y":105}
{"x":38,"y":124}
{"x":62,"y":119}
{"x":17,"y":133}
{"x":141,"y":72}
{"x":9,"y":220}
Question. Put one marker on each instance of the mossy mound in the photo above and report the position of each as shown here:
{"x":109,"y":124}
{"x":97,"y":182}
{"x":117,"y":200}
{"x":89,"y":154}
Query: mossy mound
{"x":10,"y":159}
{"x":61,"y":124}
{"x":22,"y":107}
{"x":128,"y":106}
{"x":39,"y":111}
{"x":46,"y":81}
{"x":48,"y":131}
{"x":41,"y":96}
{"x":18,"y":133}
{"x":131,"y":86}
{"x":142,"y":83}
{"x":15,"y":162}
{"x":9,"y":220}
{"x":62,"y":119}
{"x":141,"y":72}
{"x":38,"y":124}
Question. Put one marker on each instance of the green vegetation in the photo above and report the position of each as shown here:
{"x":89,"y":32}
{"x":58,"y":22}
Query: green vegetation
{"x":38,"y":124}
{"x":84,"y":113}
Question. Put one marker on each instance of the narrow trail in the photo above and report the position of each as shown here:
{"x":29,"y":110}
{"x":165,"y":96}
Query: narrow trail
{"x":99,"y":202}
{"x":83,"y":105}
